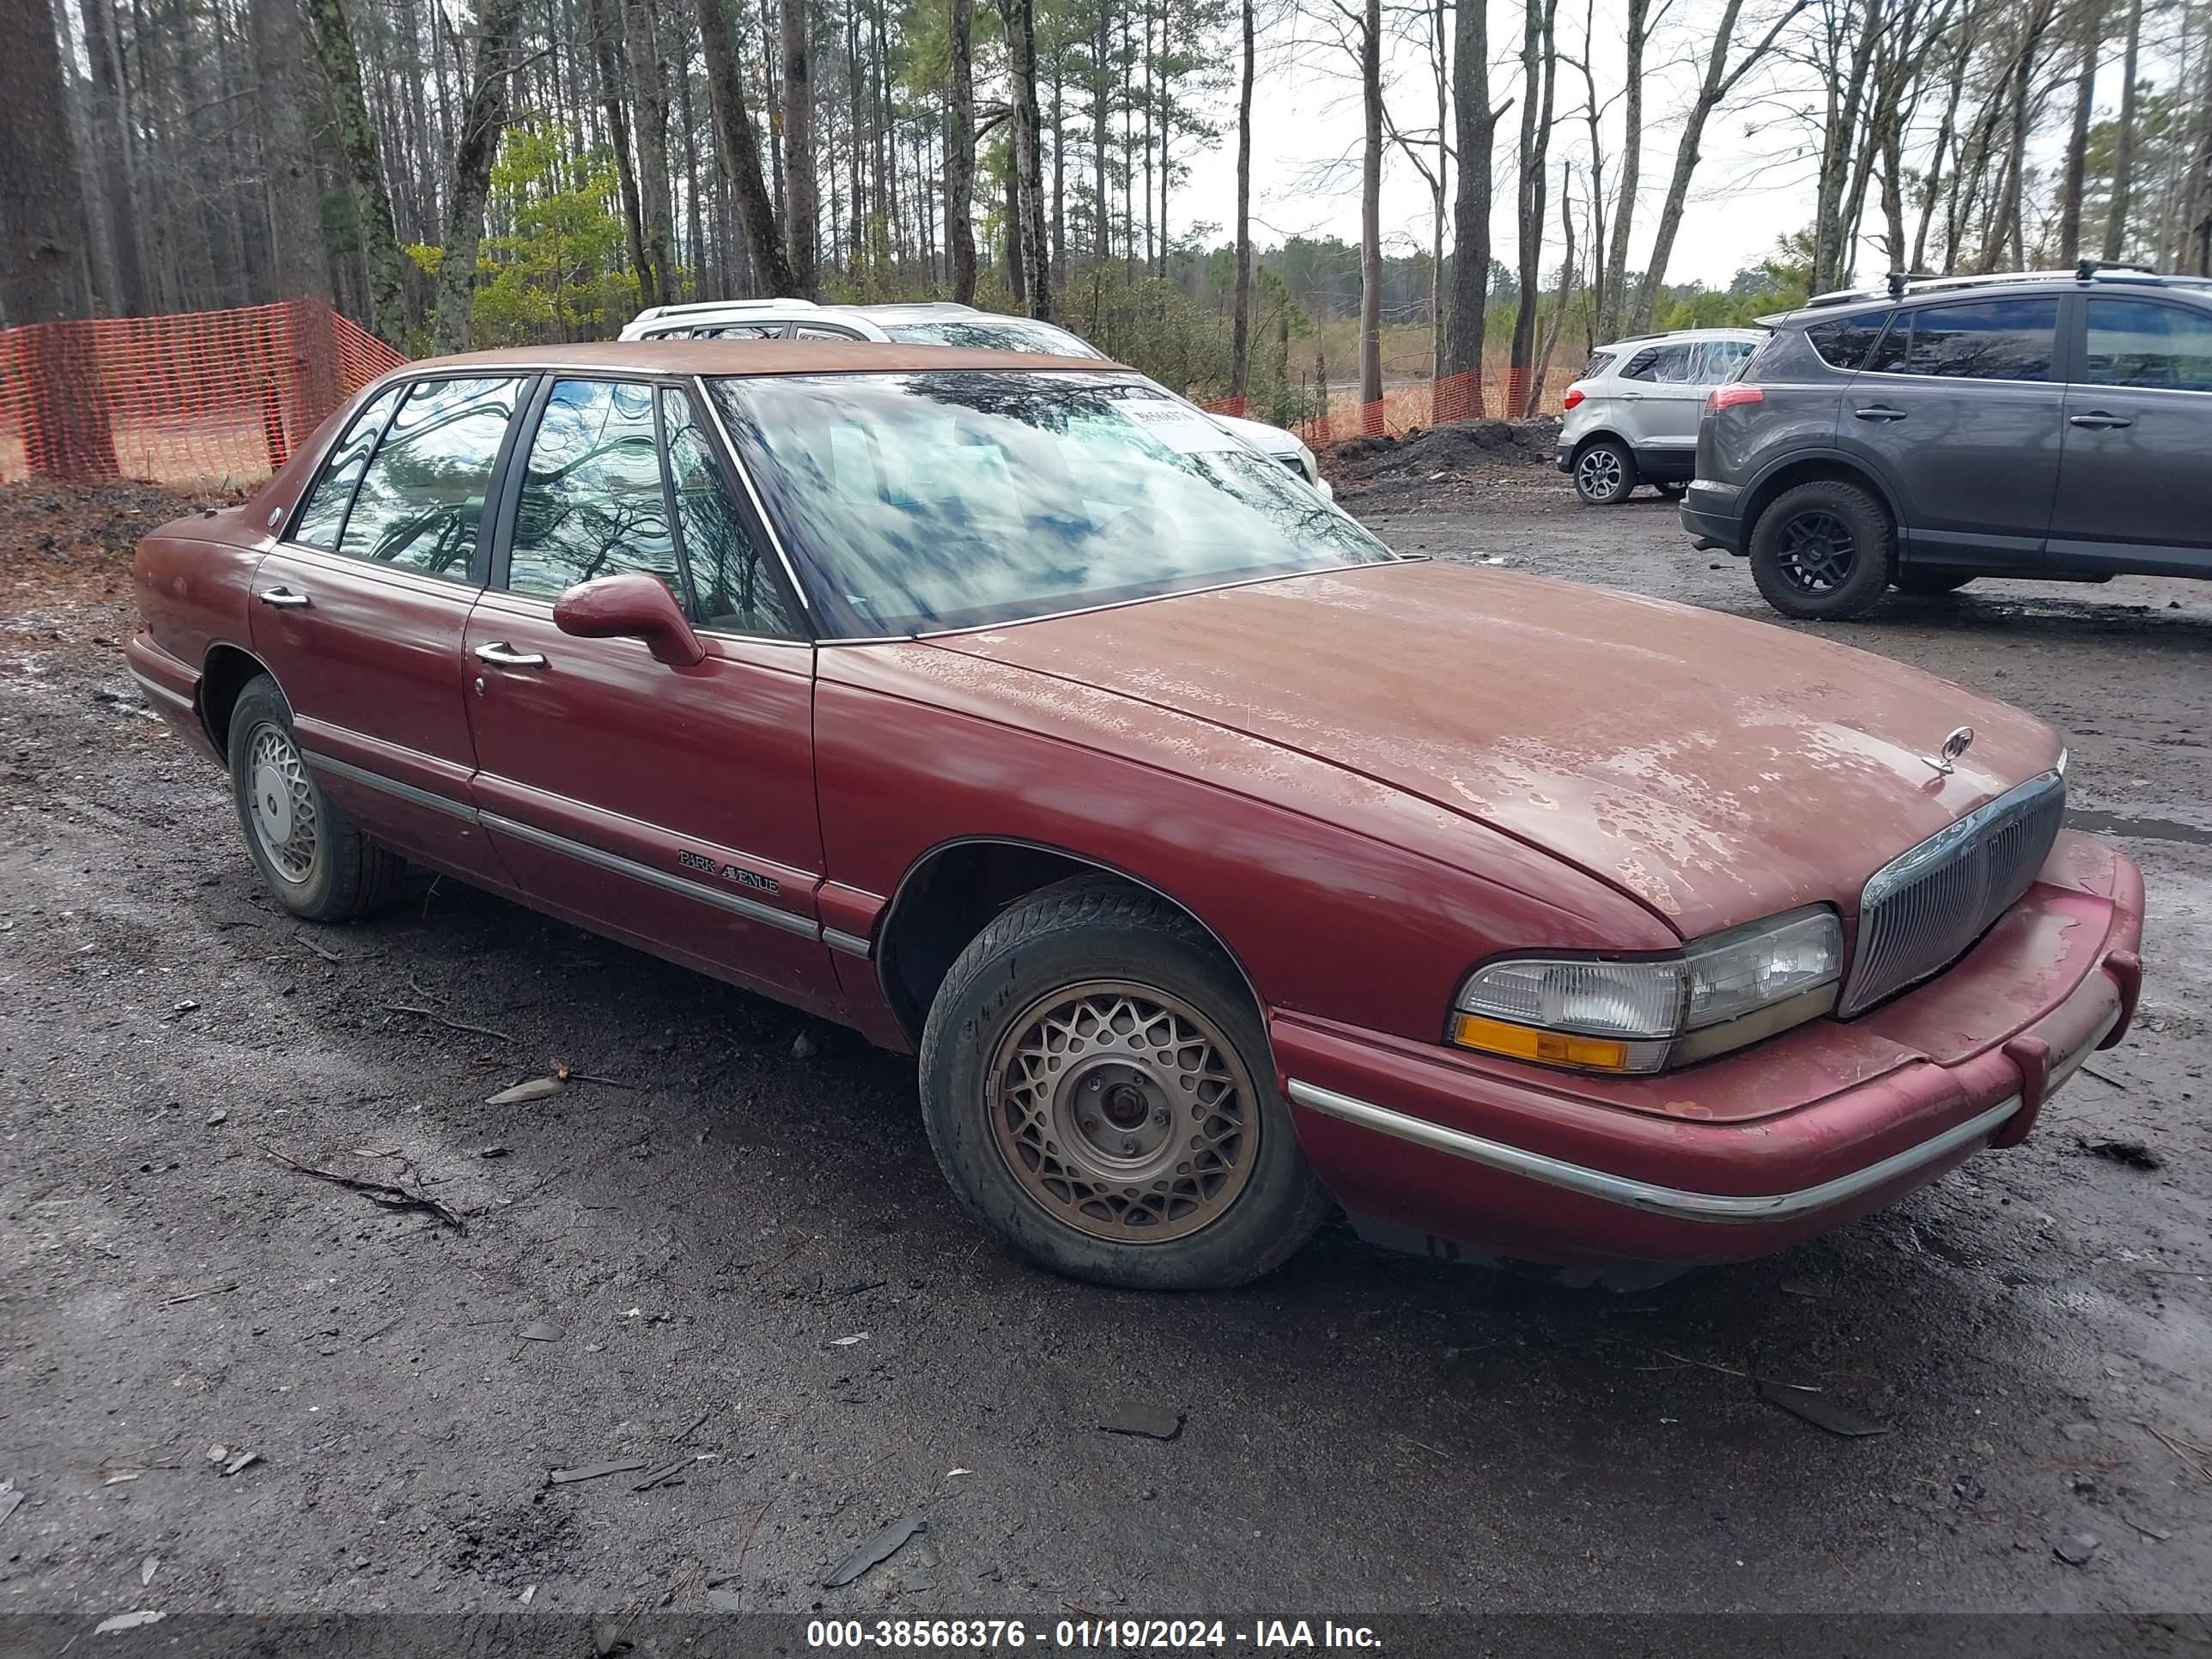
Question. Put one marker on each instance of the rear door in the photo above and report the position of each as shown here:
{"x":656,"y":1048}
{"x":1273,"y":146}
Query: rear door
{"x":1960,"y":410}
{"x":360,"y":612}
{"x":2134,"y":488}
{"x":1661,"y":399}
{"x":673,"y":807}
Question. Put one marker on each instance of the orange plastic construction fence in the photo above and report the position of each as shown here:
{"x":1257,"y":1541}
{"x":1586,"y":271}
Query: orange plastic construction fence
{"x":204,"y":397}
{"x":1404,"y":408}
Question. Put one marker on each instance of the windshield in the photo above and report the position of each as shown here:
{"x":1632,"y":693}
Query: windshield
{"x":994,"y":334}
{"x":920,"y":502}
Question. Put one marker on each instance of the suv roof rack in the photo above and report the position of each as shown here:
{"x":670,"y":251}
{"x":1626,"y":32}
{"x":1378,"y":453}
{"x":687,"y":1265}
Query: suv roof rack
{"x":1899,"y":284}
{"x":693,"y":307}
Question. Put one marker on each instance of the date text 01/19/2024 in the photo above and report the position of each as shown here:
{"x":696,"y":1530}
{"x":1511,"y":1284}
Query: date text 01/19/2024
{"x":1093,"y":1635}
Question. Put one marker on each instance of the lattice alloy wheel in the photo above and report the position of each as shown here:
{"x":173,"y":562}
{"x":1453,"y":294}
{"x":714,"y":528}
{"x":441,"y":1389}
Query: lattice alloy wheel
{"x":285,"y":814}
{"x":1123,"y":1111}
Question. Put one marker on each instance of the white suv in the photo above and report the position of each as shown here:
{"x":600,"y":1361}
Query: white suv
{"x":929,"y":324}
{"x":1632,"y":416}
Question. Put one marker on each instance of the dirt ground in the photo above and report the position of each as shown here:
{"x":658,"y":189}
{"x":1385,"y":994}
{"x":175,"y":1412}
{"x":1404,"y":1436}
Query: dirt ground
{"x":230,"y":1386}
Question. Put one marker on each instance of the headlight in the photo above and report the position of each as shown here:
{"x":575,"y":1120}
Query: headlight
{"x":1718,"y":994}
{"x":1307,"y":460}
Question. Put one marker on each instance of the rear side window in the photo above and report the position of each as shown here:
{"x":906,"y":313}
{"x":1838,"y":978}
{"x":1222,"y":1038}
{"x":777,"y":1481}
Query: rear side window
{"x":323,"y":516}
{"x":1846,"y":342}
{"x":592,"y":503}
{"x":422,"y":496}
{"x":1667,"y":364}
{"x":1984,"y":340}
{"x":2133,"y":343}
{"x":1597,"y":365}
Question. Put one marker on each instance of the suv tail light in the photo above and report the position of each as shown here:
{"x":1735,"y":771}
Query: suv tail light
{"x":1573,"y":399}
{"x":1727,"y":397}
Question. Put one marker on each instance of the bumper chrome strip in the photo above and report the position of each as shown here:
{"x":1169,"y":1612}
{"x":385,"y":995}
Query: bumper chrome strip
{"x":156,"y":688}
{"x":1645,"y":1195}
{"x":406,"y":792}
{"x":736,"y":904}
{"x":851,"y":943}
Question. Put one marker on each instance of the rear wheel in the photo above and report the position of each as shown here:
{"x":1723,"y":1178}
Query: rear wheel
{"x":1097,"y":1087}
{"x":313,"y":855}
{"x":1604,"y":472}
{"x":1931,"y":581}
{"x":1821,"y":552}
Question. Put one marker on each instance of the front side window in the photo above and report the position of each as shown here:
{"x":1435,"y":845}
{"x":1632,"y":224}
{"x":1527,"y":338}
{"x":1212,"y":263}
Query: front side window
{"x":1846,"y":342}
{"x":996,"y":334}
{"x":738,"y":587}
{"x":323,"y":516}
{"x":2134,"y":342}
{"x":421,"y":499}
{"x":1983,"y":340}
{"x":592,"y":503}
{"x":929,"y":501}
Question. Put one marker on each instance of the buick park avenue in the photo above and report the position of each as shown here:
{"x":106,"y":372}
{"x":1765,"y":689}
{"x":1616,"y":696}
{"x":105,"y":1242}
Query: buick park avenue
{"x":1220,"y":866}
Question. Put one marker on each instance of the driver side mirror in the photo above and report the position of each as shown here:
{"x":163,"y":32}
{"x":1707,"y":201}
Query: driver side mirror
{"x":632,"y":605}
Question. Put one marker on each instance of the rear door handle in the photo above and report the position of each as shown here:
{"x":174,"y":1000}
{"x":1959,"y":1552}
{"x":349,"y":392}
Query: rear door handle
{"x":2098,"y":420}
{"x":283,"y":598}
{"x":506,"y":656}
{"x":1879,"y":412}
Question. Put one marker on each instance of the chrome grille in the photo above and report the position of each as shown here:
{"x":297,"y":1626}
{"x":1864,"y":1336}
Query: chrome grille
{"x":1920,"y":912}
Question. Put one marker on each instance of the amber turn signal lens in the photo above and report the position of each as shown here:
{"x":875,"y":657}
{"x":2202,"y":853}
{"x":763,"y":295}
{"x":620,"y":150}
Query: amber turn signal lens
{"x":1499,"y":1036}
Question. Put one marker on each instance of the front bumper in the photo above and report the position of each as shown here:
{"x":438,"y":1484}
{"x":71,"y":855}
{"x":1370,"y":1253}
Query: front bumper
{"x":1743,"y":1155}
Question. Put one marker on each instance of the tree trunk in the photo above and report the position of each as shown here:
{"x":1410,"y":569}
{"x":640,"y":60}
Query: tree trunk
{"x":739,"y":149}
{"x":1475,"y":125}
{"x":1539,"y":68}
{"x":112,"y":139}
{"x":2085,"y":90}
{"x":1612,"y":301}
{"x":656,"y":277}
{"x":960,"y":156}
{"x":482,"y":122}
{"x":2124,"y":141}
{"x":1240,"y":333}
{"x":1028,"y":234}
{"x":1371,"y":220}
{"x":800,"y":185}
{"x":45,"y":267}
{"x":605,"y":53}
{"x":372,"y":203}
{"x":300,"y":264}
{"x":1567,"y":272}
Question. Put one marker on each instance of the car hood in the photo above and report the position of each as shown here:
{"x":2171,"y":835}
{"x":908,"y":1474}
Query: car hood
{"x":1274,"y":440}
{"x":1716,"y":770}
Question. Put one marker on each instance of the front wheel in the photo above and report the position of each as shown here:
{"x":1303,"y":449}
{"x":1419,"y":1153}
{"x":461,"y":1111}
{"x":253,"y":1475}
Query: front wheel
{"x":1821,"y":552}
{"x":1604,"y":472}
{"x":314,"y":858}
{"x":1097,"y":1088}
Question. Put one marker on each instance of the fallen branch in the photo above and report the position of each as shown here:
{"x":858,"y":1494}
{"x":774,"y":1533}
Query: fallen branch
{"x":194,"y":1296}
{"x":450,"y":1025}
{"x":387,"y":1194}
{"x":2194,"y":1457}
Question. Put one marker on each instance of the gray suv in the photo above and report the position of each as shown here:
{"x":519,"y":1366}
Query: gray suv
{"x":2053,"y":425}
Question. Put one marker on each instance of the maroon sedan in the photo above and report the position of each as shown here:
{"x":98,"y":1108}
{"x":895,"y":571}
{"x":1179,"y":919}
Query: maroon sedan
{"x":1219,"y":864}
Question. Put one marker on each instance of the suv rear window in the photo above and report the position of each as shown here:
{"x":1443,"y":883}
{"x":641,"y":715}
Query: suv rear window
{"x":1845,"y":341}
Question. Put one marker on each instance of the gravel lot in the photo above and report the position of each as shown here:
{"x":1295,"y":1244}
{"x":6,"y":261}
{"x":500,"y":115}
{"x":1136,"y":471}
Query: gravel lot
{"x":744,"y":1257}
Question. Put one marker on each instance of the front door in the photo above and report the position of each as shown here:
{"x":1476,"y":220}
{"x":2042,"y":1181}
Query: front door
{"x":1959,"y":410}
{"x":359,"y":614}
{"x":2135,"y":489}
{"x":672,"y":807}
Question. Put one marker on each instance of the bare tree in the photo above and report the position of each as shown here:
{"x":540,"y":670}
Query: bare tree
{"x":740,"y":148}
{"x":481,"y":123}
{"x":960,"y":154}
{"x":2124,"y":138}
{"x":1474,"y":132}
{"x":800,"y":191}
{"x":656,"y":276}
{"x":1540,"y":81}
{"x":1028,"y":237}
{"x":1370,"y":206}
{"x":1240,"y":334}
{"x":299,"y":260}
{"x":372,"y":199}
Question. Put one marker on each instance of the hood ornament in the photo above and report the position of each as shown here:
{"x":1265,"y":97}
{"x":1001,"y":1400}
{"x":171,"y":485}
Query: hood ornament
{"x":1956,"y":745}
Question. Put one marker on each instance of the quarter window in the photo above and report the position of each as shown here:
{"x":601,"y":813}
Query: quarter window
{"x":1846,"y":342}
{"x":2135,"y":343}
{"x":1987,"y":340}
{"x":738,"y":590}
{"x":592,"y":503}
{"x":421,"y":499}
{"x":322,"y":517}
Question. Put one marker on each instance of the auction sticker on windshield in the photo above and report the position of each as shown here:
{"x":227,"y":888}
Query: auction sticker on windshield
{"x":1176,"y":425}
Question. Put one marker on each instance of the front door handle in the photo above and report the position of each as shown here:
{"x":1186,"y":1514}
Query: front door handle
{"x":506,"y":656}
{"x":283,"y":598}
{"x":2098,"y":420}
{"x":1879,"y":412}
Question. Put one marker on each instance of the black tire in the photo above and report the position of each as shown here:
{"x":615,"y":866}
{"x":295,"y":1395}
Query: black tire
{"x":336,"y":872}
{"x":1671,"y":492}
{"x":1934,"y":581}
{"x":1822,"y":552}
{"x":1062,"y":943}
{"x":1604,"y":472}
